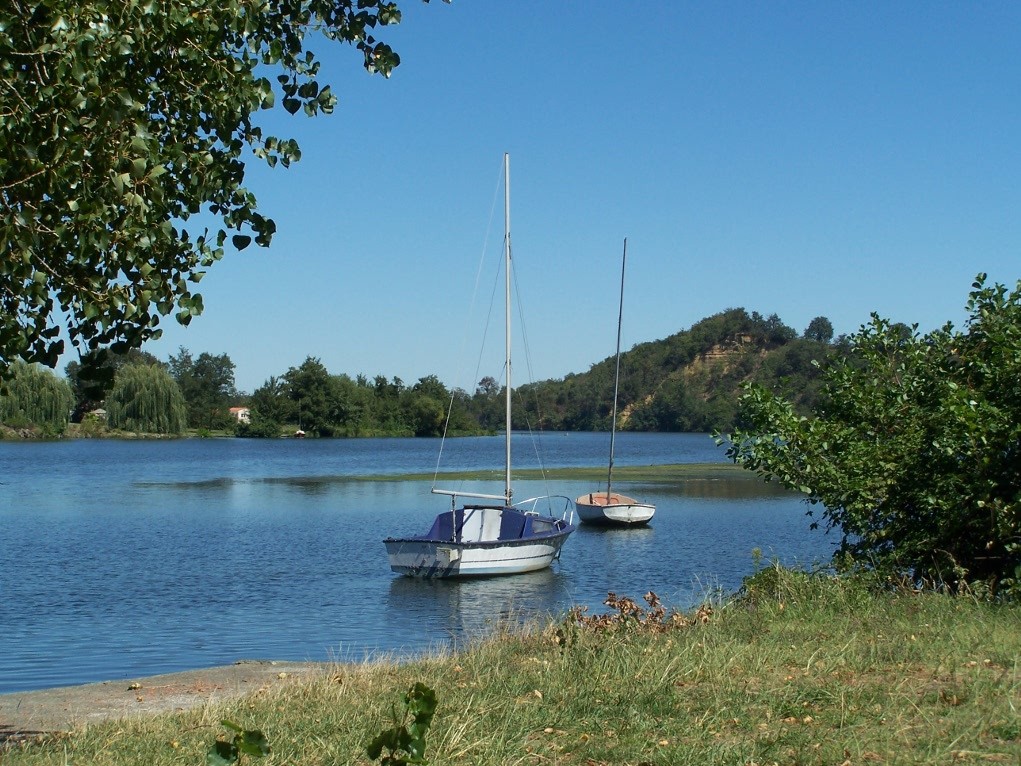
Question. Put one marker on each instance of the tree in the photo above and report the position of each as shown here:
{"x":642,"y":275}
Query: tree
{"x":425,"y":406}
{"x":122,"y":120}
{"x":93,"y":377}
{"x":145,"y":399}
{"x":269,"y":406}
{"x":35,"y":398}
{"x":487,"y":405}
{"x":775,"y":332}
{"x":819,"y":329}
{"x":387,"y":412}
{"x":313,"y":391}
{"x":913,"y":448}
{"x":258,"y":426}
{"x":207,"y":384}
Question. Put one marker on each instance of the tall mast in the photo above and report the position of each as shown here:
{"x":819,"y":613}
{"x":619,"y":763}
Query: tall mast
{"x":616,"y":374}
{"x":507,"y":320}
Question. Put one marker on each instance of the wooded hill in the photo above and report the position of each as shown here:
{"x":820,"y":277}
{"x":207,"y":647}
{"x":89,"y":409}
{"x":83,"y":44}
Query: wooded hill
{"x":689,"y":381}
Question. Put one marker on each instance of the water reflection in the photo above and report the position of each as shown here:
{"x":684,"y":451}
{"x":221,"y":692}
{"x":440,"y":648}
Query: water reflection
{"x":461,"y":610}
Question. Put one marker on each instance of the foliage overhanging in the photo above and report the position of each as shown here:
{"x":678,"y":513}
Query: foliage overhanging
{"x":122,"y":120}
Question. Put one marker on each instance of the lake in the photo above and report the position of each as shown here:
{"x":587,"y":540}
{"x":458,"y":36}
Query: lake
{"x":121,"y":559}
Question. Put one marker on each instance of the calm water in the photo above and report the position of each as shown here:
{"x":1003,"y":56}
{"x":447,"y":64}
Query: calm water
{"x":124,"y":559}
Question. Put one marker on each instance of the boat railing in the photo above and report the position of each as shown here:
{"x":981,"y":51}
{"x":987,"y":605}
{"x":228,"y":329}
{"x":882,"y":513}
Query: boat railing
{"x":564,"y":506}
{"x":557,"y":506}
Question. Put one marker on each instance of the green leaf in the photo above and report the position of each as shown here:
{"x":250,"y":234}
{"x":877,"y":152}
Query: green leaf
{"x":254,"y":743}
{"x":222,"y":754}
{"x":241,"y":241}
{"x":138,"y":169}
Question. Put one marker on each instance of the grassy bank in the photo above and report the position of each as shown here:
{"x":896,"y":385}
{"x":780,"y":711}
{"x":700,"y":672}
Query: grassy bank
{"x":803,"y":670}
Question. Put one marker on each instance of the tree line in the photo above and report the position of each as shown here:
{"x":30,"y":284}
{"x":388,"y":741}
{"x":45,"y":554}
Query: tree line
{"x":687,"y":382}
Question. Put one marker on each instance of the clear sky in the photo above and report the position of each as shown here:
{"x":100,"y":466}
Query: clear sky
{"x":796,"y":158}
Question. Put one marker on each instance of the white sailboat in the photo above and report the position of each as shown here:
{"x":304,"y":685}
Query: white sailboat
{"x":482,"y":539}
{"x":611,"y":508}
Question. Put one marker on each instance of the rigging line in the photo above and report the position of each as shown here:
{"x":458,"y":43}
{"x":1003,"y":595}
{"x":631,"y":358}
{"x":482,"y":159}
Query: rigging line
{"x":524,"y":328}
{"x":519,"y":303}
{"x":540,"y":459}
{"x":489,"y":318}
{"x":471,"y":312}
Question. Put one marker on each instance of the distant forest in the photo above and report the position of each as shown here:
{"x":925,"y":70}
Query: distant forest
{"x":689,"y":381}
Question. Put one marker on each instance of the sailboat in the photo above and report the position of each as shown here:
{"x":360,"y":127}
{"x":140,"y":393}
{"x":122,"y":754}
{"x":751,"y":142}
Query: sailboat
{"x":488,"y":538}
{"x":611,"y":508}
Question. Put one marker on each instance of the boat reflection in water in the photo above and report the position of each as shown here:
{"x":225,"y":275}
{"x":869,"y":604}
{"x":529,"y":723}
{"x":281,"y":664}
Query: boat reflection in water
{"x":458,"y":611}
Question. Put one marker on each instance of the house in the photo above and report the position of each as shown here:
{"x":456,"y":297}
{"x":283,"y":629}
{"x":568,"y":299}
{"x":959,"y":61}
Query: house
{"x":243,"y":414}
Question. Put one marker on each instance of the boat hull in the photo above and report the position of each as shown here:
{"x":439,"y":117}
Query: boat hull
{"x":617,"y":510}
{"x":480,"y":542}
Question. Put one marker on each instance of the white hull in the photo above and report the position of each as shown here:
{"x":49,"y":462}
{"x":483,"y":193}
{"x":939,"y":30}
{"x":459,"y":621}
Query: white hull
{"x":478,"y":541}
{"x":619,"y":510}
{"x":440,"y":559}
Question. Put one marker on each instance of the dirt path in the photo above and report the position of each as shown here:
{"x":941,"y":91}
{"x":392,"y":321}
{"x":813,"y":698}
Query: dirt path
{"x":26,"y":714}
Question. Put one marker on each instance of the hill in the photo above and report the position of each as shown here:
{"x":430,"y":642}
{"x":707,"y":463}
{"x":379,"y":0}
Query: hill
{"x":689,"y":381}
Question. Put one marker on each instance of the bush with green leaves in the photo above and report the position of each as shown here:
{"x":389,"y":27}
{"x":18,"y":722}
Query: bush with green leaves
{"x":258,"y":427}
{"x":913,"y":448}
{"x":404,"y":742}
{"x":226,"y":752}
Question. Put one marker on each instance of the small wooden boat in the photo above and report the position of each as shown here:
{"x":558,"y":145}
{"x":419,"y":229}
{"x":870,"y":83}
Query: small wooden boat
{"x":613,"y":509}
{"x":609,"y":507}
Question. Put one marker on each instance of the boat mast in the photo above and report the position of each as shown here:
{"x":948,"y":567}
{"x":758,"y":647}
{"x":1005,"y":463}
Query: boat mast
{"x":616,"y":374}
{"x":507,"y":321}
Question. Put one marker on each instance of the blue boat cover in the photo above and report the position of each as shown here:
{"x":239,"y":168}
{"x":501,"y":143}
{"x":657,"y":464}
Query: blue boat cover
{"x":514,"y":525}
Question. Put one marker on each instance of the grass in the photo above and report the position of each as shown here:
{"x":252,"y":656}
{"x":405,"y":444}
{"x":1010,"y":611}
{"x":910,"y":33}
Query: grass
{"x":799,"y":669}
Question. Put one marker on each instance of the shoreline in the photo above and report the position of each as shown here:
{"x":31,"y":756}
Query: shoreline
{"x":28,"y":714}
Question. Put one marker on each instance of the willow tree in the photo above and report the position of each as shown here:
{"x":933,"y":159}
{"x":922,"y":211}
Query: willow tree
{"x":35,"y":397}
{"x":123,"y":119}
{"x":145,"y":399}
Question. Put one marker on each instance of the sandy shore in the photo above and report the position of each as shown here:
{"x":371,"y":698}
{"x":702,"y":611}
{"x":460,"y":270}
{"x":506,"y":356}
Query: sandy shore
{"x":26,"y":714}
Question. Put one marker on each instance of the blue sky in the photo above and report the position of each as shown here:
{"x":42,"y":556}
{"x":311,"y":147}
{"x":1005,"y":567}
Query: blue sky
{"x":795,"y":158}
